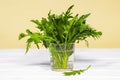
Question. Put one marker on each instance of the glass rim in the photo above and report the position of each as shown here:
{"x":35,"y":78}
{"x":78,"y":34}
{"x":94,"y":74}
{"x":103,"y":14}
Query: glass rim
{"x":62,"y":43}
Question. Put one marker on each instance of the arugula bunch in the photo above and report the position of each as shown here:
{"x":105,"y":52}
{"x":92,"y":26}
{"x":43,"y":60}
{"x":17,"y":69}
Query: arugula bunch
{"x":62,"y":28}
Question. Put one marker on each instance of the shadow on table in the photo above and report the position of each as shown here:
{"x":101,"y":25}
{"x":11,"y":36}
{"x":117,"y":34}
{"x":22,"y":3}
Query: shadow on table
{"x":45,"y":65}
{"x":85,"y":60}
{"x":94,"y":62}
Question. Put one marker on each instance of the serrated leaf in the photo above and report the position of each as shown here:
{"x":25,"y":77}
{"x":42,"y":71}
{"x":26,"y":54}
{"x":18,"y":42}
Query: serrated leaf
{"x":74,"y":72}
{"x":22,"y":35}
{"x":27,"y":47}
{"x":28,"y":32}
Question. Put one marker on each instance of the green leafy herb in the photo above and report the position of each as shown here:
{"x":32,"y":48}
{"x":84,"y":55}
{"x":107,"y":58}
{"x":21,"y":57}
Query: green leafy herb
{"x":63,"y":28}
{"x":74,"y":72}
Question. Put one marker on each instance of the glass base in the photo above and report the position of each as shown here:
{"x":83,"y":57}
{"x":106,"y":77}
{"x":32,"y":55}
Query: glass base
{"x":69,"y":67}
{"x":61,"y":70}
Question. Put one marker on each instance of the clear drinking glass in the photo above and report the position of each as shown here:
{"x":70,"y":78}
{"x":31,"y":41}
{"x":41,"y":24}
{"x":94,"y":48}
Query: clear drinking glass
{"x":62,"y":56}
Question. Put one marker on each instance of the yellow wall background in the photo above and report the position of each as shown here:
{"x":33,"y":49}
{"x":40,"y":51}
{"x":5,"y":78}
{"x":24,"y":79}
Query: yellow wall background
{"x":15,"y":16}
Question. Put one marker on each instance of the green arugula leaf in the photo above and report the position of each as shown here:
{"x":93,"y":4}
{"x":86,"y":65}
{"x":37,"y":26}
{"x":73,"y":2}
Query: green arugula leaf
{"x":75,"y":72}
{"x":22,"y":35}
